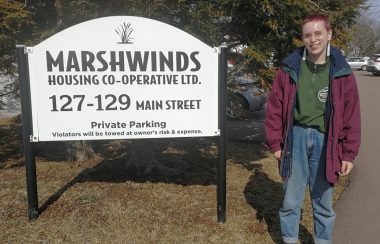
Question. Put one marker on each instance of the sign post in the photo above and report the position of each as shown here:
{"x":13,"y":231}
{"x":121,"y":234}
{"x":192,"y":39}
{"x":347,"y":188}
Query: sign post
{"x":221,"y":169}
{"x":30,"y":162}
{"x":122,"y":77}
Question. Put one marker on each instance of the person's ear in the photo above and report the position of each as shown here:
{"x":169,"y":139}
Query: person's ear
{"x":329,"y":35}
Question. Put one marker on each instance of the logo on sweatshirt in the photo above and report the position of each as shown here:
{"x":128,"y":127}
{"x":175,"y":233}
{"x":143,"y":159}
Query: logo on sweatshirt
{"x":322,"y":94}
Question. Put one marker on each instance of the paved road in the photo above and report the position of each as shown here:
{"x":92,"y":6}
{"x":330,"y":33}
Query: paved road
{"x":358,"y":211}
{"x":250,"y":129}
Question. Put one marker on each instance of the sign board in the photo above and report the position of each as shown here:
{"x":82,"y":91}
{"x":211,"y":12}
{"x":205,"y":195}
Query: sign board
{"x":123,"y":77}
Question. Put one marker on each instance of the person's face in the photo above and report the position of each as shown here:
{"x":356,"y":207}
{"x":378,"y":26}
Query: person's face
{"x":315,"y":38}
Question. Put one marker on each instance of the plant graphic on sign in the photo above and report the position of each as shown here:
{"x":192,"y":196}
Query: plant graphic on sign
{"x":125,"y":31}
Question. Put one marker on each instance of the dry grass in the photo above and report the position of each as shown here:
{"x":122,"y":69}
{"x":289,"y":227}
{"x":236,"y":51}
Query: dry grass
{"x":97,"y":201}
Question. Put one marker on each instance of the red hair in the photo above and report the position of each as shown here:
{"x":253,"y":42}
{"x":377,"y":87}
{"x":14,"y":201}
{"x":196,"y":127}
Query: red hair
{"x":317,"y":17}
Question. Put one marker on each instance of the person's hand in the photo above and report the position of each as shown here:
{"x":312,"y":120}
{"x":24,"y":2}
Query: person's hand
{"x":346,"y":168}
{"x":277,"y":155}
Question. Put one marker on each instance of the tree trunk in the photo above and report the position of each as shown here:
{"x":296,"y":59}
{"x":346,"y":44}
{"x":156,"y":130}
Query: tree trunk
{"x":79,"y":151}
{"x":142,"y":161}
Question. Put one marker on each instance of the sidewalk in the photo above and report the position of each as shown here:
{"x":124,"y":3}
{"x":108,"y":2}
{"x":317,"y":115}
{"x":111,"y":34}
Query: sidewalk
{"x":358,"y":210}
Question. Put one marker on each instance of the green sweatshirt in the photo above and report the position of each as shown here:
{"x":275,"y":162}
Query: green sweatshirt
{"x":312,"y":91}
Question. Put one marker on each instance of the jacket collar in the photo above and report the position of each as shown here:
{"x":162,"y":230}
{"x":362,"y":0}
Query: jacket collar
{"x":338,"y":67}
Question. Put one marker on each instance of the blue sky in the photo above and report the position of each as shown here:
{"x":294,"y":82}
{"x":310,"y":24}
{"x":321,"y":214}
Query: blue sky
{"x":374,"y":8}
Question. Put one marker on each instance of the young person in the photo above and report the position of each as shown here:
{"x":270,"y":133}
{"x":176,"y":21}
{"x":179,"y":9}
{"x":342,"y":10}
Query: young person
{"x":312,"y":126}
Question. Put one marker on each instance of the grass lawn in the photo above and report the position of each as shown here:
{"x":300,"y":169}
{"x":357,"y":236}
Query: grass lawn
{"x":98,"y":201}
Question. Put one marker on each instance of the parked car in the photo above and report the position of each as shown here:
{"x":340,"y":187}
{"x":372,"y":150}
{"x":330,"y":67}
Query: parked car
{"x":373,"y":65}
{"x":357,"y":63}
{"x":243,"y":97}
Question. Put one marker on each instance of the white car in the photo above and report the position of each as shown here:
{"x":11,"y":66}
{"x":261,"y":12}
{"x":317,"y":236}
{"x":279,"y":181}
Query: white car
{"x":374,"y":64}
{"x":357,"y":63}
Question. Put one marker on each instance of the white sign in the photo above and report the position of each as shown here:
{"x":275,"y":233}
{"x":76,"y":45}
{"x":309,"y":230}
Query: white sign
{"x":123,"y":77}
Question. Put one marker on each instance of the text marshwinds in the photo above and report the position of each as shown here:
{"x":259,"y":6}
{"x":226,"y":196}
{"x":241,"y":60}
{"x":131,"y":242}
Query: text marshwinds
{"x":120,"y":61}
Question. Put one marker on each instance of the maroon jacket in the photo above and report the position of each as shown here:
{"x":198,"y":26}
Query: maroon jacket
{"x":342,"y":113}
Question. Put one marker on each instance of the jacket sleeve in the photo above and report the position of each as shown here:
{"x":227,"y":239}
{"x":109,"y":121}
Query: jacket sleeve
{"x":273,"y":115}
{"x":351,"y":121}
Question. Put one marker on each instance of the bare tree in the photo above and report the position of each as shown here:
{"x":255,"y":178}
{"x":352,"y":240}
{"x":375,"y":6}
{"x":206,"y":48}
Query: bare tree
{"x":365,"y":36}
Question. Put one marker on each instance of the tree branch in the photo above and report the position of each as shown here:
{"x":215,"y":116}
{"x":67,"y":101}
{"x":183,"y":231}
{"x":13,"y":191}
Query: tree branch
{"x":317,"y":6}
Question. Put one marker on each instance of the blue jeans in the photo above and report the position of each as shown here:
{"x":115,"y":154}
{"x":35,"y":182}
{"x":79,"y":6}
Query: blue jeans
{"x":308,"y":167}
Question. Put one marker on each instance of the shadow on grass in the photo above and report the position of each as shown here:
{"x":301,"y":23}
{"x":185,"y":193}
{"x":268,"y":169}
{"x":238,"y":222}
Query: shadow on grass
{"x":193,"y":167}
{"x":265,"y":195}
